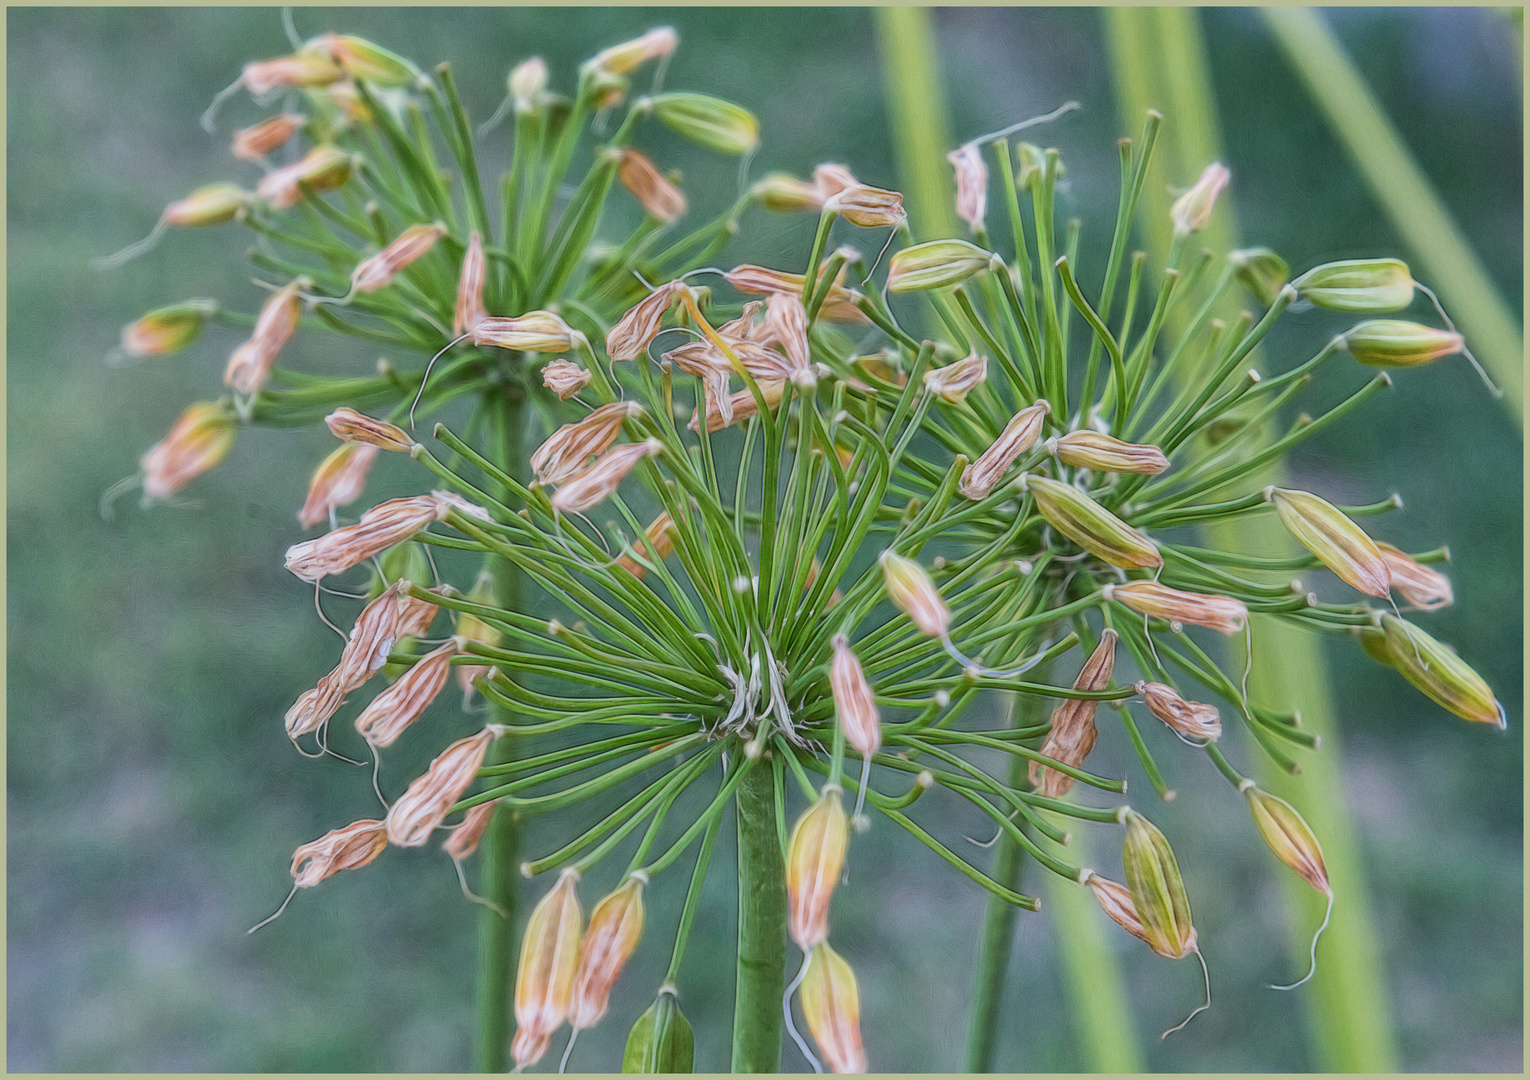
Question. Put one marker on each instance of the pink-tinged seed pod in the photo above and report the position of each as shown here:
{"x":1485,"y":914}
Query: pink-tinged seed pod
{"x":971,"y":184}
{"x":634,"y":331}
{"x":1289,"y":836}
{"x":627,"y":57}
{"x":597,"y":483}
{"x":1192,"y":210}
{"x":426,"y":802}
{"x":255,"y":142}
{"x":1073,"y":732}
{"x":660,"y":198}
{"x":839,"y":307}
{"x":854,"y":702}
{"x":1396,"y":343}
{"x":447,"y":501}
{"x":215,"y":204}
{"x":703,"y":360}
{"x":832,"y":1007}
{"x":866,"y":206}
{"x":314,"y":708}
{"x":167,"y":329}
{"x":1019,"y":435}
{"x":251,"y":362}
{"x":830,"y":179}
{"x":1161,"y":602}
{"x":392,"y":711}
{"x":1189,"y":718}
{"x":565,"y":379}
{"x":348,"y":424}
{"x":1084,"y":449}
{"x":909,"y":587}
{"x":462,"y":841}
{"x":740,"y":406}
{"x":786,"y":324}
{"x":1116,"y":901}
{"x":380,"y":270}
{"x":381,"y":527}
{"x":371,"y":639}
{"x":536,"y":331}
{"x":657,"y":544}
{"x":569,"y":449}
{"x":783,"y":194}
{"x":324,"y":168}
{"x":306,"y":69}
{"x":338,"y":481}
{"x":361,"y":59}
{"x":1423,"y":587}
{"x":814,"y":858}
{"x":345,"y":97}
{"x":544,"y":983}
{"x":1338,"y":542}
{"x":347,"y":848}
{"x":198,"y":441}
{"x":469,"y":310}
{"x":1090,"y":525}
{"x":616,"y":924}
{"x":955,"y":381}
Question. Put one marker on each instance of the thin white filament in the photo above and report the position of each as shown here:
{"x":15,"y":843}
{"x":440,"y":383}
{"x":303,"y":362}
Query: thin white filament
{"x":111,"y":494}
{"x":973,"y":665}
{"x":425,"y":378}
{"x":567,"y":1050}
{"x":786,"y":1010}
{"x":1199,"y":1009}
{"x":376,"y":765}
{"x":290,"y":28}
{"x":471,"y":895}
{"x":1493,"y":388}
{"x":860,"y":798}
{"x":273,"y":917}
{"x":223,"y":95}
{"x":132,"y":251}
{"x":1311,"y":971}
{"x":499,"y":114}
{"x":1061,"y":110}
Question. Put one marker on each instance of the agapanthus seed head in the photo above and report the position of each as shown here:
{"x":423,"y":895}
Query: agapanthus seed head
{"x":600,"y":480}
{"x":306,"y":69}
{"x":854,"y":701}
{"x":338,"y":481}
{"x":832,"y":1007}
{"x":1338,"y":542}
{"x":1019,"y":435}
{"x":1190,"y":718}
{"x":323,"y":168}
{"x":400,"y":705}
{"x":657,"y":544}
{"x":955,"y":381}
{"x":1091,"y":526}
{"x":909,"y":588}
{"x":1289,"y":836}
{"x":200,"y":438}
{"x":166,"y":330}
{"x":616,"y":924}
{"x":379,"y":271}
{"x":866,"y":206}
{"x":1191,"y":212}
{"x":544,"y":984}
{"x":381,"y":527}
{"x":1435,"y":669}
{"x":255,"y":142}
{"x":1157,"y":891}
{"x":1073,"y":732}
{"x":971,"y":184}
{"x":781,"y":193}
{"x":1086,"y":449}
{"x":565,"y":378}
{"x":708,"y":121}
{"x":1364,"y":286}
{"x":1395,"y":343}
{"x":631,"y":335}
{"x":627,"y":57}
{"x":345,"y":848}
{"x":1177,"y":606}
{"x":658,"y":196}
{"x":815,"y":856}
{"x":937,"y":264}
{"x":569,"y":449}
{"x":427,"y":801}
{"x":251,"y":362}
{"x":1262,"y":271}
{"x":536,"y":331}
{"x":463,"y":840}
{"x":1422,"y":586}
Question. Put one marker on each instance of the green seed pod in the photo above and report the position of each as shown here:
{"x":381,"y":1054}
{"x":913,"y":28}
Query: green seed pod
{"x":1262,"y":271}
{"x":1090,"y":525}
{"x":1288,"y":835}
{"x":1342,"y":545}
{"x":215,"y":204}
{"x":716,"y":124}
{"x":1365,"y":286}
{"x":1158,"y":892}
{"x":661,"y":1041}
{"x":166,"y":330}
{"x":1393,"y":343}
{"x":1436,"y":670}
{"x":1032,"y":165}
{"x":939,"y":264}
{"x":361,"y":59}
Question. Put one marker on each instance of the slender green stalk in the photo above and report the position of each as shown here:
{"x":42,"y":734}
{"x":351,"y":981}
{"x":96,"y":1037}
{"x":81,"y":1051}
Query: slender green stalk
{"x":761,"y":982}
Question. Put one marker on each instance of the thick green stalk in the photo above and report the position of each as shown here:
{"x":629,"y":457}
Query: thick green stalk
{"x":921,"y":131}
{"x":757,"y":1019}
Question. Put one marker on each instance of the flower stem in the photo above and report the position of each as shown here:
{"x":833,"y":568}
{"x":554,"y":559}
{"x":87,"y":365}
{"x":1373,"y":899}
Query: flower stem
{"x":761,"y":928}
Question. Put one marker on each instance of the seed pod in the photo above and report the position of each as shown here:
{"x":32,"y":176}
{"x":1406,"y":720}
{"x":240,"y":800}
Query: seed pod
{"x":1262,"y":271}
{"x":1174,"y":605}
{"x":166,"y":330}
{"x":380,"y":270}
{"x":544,"y":984}
{"x":306,"y":69}
{"x":527,"y":83}
{"x":1192,"y":210}
{"x":786,"y":325}
{"x":1365,"y":286}
{"x":1423,"y":587}
{"x":536,"y":331}
{"x":464,"y":839}
{"x":1158,"y":893}
{"x":740,"y":406}
{"x":251,"y":361}
{"x":971,"y":184}
{"x":1090,"y":525}
{"x":783,"y":194}
{"x":1190,"y":718}
{"x":1289,"y":836}
{"x":198,"y":441}
{"x":658,"y":543}
{"x":630,"y":337}
{"x":716,"y":124}
{"x":598,"y":482}
{"x":830,"y":179}
{"x":815,"y":857}
{"x":1116,"y":901}
{"x":381,"y":527}
{"x":348,"y":424}
{"x":400,"y":705}
{"x":345,"y":97}
{"x":955,"y":381}
{"x":938,"y":264}
{"x":910,"y":588}
{"x":324,"y":168}
{"x":415,"y":615}
{"x":1435,"y":669}
{"x":1019,"y":435}
{"x":866,"y":206}
{"x":627,"y":57}
{"x":831,"y":1005}
{"x":660,"y":198}
{"x":854,"y":701}
{"x":1032,"y":164}
{"x":1338,"y":542}
{"x":314,"y":708}
{"x":1085,"y":449}
{"x":338,"y":481}
{"x":564,"y":378}
{"x":215,"y":204}
{"x":839,"y":307}
{"x":371,"y":639}
{"x":661,"y":1041}
{"x":361,"y":59}
{"x":346,"y":848}
{"x":1073,"y":732}
{"x":615,"y":926}
{"x":1393,"y":343}
{"x":447,"y":501}
{"x":427,"y":801}
{"x":255,"y":142}
{"x":569,"y":449}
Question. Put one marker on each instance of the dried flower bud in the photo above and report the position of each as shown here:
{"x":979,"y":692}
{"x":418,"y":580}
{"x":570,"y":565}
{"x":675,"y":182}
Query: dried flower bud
{"x":615,"y":926}
{"x":544,"y":984}
{"x":360,"y":59}
{"x":536,"y":331}
{"x":249,"y":364}
{"x":783,"y":194}
{"x":627,"y":57}
{"x":839,"y":307}
{"x":658,"y":543}
{"x":527,"y":83}
{"x":305,"y":69}
{"x":1393,"y":343}
{"x":1019,"y":435}
{"x":1365,"y":286}
{"x":661,"y":1041}
{"x":324,"y":168}
{"x":830,"y":179}
{"x":1090,"y":525}
{"x":1116,"y":901}
{"x":198,"y":441}
{"x":1435,"y":669}
{"x":910,"y":588}
{"x":740,"y":406}
{"x":1424,"y":588}
{"x":338,"y":481}
{"x":464,"y":839}
{"x":348,"y":424}
{"x":314,"y":708}
{"x":955,"y":381}
{"x":971,"y":184}
{"x":255,"y":142}
{"x":569,"y":449}
{"x":832,"y":1007}
{"x":1190,"y":718}
{"x":1158,"y":892}
{"x":660,"y":198}
{"x":166,"y":330}
{"x":215,"y":204}
{"x":1338,"y":542}
{"x":598,"y":482}
{"x":938,"y":264}
{"x":1073,"y":732}
{"x":426,"y":802}
{"x":371,"y":639}
{"x":854,"y":701}
{"x":346,"y":848}
{"x":381,"y":527}
{"x":814,"y":858}
{"x":1289,"y":836}
{"x":564,"y":378}
{"x":392,"y":711}
{"x":630,"y":337}
{"x":1262,"y":272}
{"x":866,"y":206}
{"x":379,"y":271}
{"x":1085,"y":449}
{"x":786,"y":324}
{"x":1176,"y":606}
{"x":1192,"y":210}
{"x":716,"y":124}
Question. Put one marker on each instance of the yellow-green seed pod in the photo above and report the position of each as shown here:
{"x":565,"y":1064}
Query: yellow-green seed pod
{"x":1032,"y":165}
{"x":814,"y":859}
{"x":1342,"y":545}
{"x":1434,"y":668}
{"x":166,"y":330}
{"x":716,"y":124}
{"x":1090,"y":525}
{"x":1094,"y":450}
{"x":215,"y":204}
{"x":1394,"y":343}
{"x":1364,"y":286}
{"x":939,"y":264}
{"x":661,"y":1041}
{"x":1262,"y":272}
{"x":361,"y":59}
{"x":782,"y":193}
{"x":910,"y":588}
{"x":831,"y":1004}
{"x":1158,"y":892}
{"x":1288,"y":835}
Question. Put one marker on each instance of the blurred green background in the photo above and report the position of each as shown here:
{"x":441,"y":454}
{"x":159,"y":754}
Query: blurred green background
{"x":153,"y":801}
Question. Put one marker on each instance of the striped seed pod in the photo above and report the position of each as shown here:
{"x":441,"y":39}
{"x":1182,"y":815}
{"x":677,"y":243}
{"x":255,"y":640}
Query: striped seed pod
{"x":661,"y":1041}
{"x":354,"y":427}
{"x":815,"y":856}
{"x":1191,"y":212}
{"x":909,"y":587}
{"x":307,"y":69}
{"x":462,"y":841}
{"x":1189,"y":718}
{"x":955,"y":381}
{"x":854,"y":701}
{"x":565,"y":379}
{"x":255,"y":142}
{"x":1019,"y":435}
{"x":166,"y":330}
{"x":971,"y":184}
{"x":1435,"y":669}
{"x":379,"y":271}
{"x":361,"y":59}
{"x":544,"y":983}
{"x":1084,"y":449}
{"x":1157,"y":601}
{"x":249,"y":364}
{"x":708,"y":121}
{"x":371,"y":639}
{"x":786,"y":325}
{"x":616,"y":924}
{"x":1288,"y":835}
{"x":938,"y":264}
{"x":781,"y":193}
{"x":598,"y":482}
{"x":727,"y":409}
{"x":627,"y":57}
{"x":392,"y":711}
{"x":323,"y":168}
{"x":1425,"y":588}
{"x":1394,"y":343}
{"x":381,"y":527}
{"x":1157,"y":891}
{"x":1338,"y":542}
{"x":415,"y":615}
{"x":346,"y":848}
{"x":660,"y":198}
{"x":867,"y":207}
{"x":1262,"y":272}
{"x":200,"y":438}
{"x":338,"y":481}
{"x":1116,"y":901}
{"x":839,"y":307}
{"x":630,"y":337}
{"x":314,"y":708}
{"x":1090,"y":525}
{"x":1365,"y":286}
{"x":832,"y":1007}
{"x":657,"y":544}
{"x":569,"y":449}
{"x":427,"y":801}
{"x":215,"y":204}
{"x":1073,"y":732}
{"x":536,"y":331}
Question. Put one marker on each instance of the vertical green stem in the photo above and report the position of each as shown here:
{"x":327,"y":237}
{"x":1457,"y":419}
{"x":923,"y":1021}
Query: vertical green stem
{"x":761,"y":982}
{"x":921,"y":131}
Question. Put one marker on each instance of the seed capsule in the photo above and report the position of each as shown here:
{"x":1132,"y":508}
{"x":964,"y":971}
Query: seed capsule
{"x":166,"y":330}
{"x":716,"y":124}
{"x":255,"y":142}
{"x":1090,"y":525}
{"x":1338,"y":542}
{"x":199,"y":440}
{"x":910,"y":588}
{"x":338,"y":481}
{"x":1289,"y":836}
{"x":1192,"y":210}
{"x":1434,"y":668}
{"x":955,"y":381}
{"x":1393,"y":343}
{"x":630,"y":337}
{"x":1085,"y":449}
{"x":464,"y":839}
{"x":1190,"y":718}
{"x":660,"y":198}
{"x":831,"y":1004}
{"x":627,"y":57}
{"x":867,"y":207}
{"x":565,"y":379}
{"x":615,"y":926}
{"x":657,"y":545}
{"x":380,"y":270}
{"x":215,"y":204}
{"x":569,"y":449}
{"x":249,"y":364}
{"x":381,"y":527}
{"x":598,"y":482}
{"x":661,"y":1041}
{"x":814,"y":859}
{"x":1174,"y":605}
{"x":939,"y":264}
{"x":1158,"y":893}
{"x":739,"y":406}
{"x":308,"y":68}
{"x":1423,"y":587}
{"x":1366,"y":286}
{"x":314,"y":708}
{"x":400,"y":705}
{"x":536,"y":331}
{"x":346,"y":848}
{"x":854,"y":702}
{"x":783,"y":194}
{"x":839,"y":307}
{"x":544,"y":984}
{"x":1116,"y":901}
{"x":831,"y":178}
{"x":427,"y":801}
{"x":1262,"y":271}
{"x":1073,"y":732}
{"x":527,"y":84}
{"x":324,"y":168}
{"x":971,"y":184}
{"x":348,"y":424}
{"x":1019,"y":435}
{"x":361,"y":59}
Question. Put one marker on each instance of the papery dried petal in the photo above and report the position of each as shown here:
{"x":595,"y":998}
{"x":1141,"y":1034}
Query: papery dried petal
{"x":1420,"y":585}
{"x":1190,"y":718}
{"x":1192,"y":210}
{"x":392,"y":711}
{"x":866,"y":206}
{"x":598,"y":482}
{"x":200,"y":438}
{"x":255,"y":142}
{"x":250,"y":362}
{"x":1174,"y":605}
{"x":348,"y":424}
{"x":616,"y":924}
{"x":338,"y":481}
{"x":381,"y":527}
{"x":1019,"y":435}
{"x":660,"y":198}
{"x":1073,"y":732}
{"x":955,"y":381}
{"x":323,"y":168}
{"x":544,"y":985}
{"x":740,"y":406}
{"x":569,"y":449}
{"x":658,"y":543}
{"x":634,"y":331}
{"x":464,"y":839}
{"x":625,"y":58}
{"x":565,"y":379}
{"x":304,"y":69}
{"x":971,"y":184}
{"x":314,"y":708}
{"x":345,"y":848}
{"x":815,"y":856}
{"x":380,"y":270}
{"x":427,"y":801}
{"x":830,"y":179}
